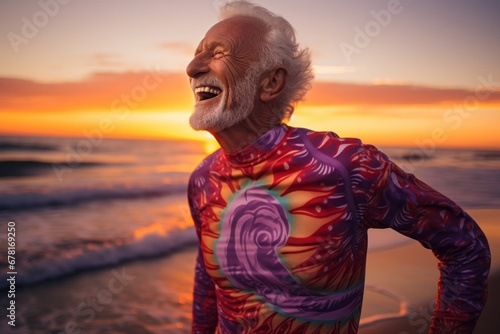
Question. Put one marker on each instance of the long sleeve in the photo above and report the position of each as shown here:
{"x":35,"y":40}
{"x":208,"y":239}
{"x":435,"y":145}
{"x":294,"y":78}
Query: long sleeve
{"x":204,"y":301}
{"x":392,"y":198}
{"x":204,"y":311}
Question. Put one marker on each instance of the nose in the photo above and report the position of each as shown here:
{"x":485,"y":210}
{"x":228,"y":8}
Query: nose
{"x":197,"y":66}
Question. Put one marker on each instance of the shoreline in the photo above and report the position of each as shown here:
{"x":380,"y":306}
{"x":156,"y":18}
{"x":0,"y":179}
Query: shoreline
{"x":400,"y":288}
{"x":420,"y":322}
{"x":411,"y":271}
{"x":401,"y":284}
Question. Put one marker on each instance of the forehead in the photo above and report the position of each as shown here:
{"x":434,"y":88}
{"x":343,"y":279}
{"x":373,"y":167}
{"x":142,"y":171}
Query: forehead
{"x":236,"y":30}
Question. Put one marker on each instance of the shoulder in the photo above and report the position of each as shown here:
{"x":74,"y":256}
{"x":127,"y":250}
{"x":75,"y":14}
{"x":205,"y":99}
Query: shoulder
{"x":202,"y":171}
{"x":329,"y":143}
{"x":353,"y":153}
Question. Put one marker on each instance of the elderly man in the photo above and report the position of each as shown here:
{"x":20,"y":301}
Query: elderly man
{"x":282,"y":213}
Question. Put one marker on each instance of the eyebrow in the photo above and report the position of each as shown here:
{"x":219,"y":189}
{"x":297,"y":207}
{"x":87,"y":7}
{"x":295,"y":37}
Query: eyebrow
{"x":209,"y":45}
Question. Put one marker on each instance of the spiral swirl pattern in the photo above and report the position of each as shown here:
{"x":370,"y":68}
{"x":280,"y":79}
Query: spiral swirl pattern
{"x":254,"y":226}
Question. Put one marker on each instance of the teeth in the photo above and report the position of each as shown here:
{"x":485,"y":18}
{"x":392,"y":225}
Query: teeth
{"x":207,"y":89}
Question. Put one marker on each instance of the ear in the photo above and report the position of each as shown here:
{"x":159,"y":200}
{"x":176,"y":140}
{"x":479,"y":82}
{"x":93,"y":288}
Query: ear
{"x":273,"y":83}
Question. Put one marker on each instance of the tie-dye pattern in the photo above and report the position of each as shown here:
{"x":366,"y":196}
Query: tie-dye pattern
{"x":283,"y":236}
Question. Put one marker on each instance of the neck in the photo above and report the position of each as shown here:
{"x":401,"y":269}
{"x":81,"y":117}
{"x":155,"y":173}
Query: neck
{"x":244,"y":133}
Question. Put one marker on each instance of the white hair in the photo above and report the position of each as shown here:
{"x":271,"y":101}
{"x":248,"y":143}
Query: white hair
{"x":280,"y":49}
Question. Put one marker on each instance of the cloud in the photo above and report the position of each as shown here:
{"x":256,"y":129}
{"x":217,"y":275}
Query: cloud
{"x":147,"y":90}
{"x":106,"y":60}
{"x":351,"y":94}
{"x":162,"y":91}
{"x":319,"y":69}
{"x":183,"y":48}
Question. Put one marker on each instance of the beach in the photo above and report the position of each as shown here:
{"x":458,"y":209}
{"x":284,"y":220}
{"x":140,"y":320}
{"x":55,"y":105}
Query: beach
{"x":154,"y":295}
{"x":105,"y":243}
{"x":411,"y":271}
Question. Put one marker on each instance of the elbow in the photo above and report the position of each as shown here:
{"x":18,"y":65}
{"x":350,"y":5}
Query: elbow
{"x":483,"y":253}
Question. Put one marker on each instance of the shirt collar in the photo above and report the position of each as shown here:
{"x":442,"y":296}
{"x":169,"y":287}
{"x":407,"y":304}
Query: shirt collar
{"x":258,"y":150}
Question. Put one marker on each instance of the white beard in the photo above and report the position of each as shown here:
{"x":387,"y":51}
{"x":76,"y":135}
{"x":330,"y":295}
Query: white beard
{"x":243,"y":101}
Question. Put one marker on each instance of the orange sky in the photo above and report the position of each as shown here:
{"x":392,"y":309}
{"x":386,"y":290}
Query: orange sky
{"x":153,"y":104}
{"x":116,"y":69}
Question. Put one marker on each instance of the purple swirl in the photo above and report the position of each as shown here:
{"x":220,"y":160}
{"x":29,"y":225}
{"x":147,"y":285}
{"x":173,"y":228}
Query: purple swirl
{"x":254,"y":226}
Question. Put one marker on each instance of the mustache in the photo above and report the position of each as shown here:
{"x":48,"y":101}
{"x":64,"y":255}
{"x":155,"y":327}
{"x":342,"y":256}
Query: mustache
{"x":206,"y":81}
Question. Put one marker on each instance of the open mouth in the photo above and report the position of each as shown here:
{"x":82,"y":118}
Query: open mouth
{"x":207,"y":92}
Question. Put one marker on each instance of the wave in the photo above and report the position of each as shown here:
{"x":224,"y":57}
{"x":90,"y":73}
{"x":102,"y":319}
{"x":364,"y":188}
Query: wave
{"x":20,"y":168}
{"x":391,"y":295}
{"x":412,"y":156}
{"x":70,"y":197}
{"x":14,"y":146}
{"x":150,"y":246}
{"x":487,"y":155}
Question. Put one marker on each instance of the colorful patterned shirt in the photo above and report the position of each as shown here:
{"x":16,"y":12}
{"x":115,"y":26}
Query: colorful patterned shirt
{"x":283,"y":226}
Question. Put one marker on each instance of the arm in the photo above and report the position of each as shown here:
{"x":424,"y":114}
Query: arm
{"x":204,"y":301}
{"x":400,"y":201}
{"x":204,"y":311}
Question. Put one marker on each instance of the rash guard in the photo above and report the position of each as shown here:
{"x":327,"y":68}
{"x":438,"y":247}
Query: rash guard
{"x":282,"y":226}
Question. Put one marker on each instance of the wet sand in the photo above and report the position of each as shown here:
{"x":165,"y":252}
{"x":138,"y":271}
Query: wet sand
{"x":410,"y":271}
{"x":401,"y":285}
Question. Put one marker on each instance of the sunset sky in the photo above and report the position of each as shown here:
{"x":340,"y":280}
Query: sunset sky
{"x":409,"y":72}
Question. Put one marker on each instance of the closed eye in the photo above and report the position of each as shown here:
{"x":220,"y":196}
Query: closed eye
{"x":218,"y":54}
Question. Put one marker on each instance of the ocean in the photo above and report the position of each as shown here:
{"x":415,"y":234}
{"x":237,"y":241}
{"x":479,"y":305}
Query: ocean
{"x":103,"y":237}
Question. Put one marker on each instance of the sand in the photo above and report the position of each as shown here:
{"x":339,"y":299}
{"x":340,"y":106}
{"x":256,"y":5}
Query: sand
{"x":158,"y":299}
{"x":406,"y":276}
{"x":410,"y":271}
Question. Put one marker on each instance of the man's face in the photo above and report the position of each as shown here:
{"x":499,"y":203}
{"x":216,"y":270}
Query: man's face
{"x":225,"y":72}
